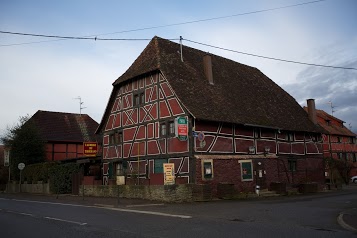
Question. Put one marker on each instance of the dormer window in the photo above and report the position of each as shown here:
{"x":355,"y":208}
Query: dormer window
{"x":328,"y":122}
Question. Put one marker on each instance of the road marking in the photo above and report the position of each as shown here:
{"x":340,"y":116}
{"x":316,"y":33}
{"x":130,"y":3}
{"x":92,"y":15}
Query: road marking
{"x":52,"y":203}
{"x":73,"y":222}
{"x":103,"y":205}
{"x":344,"y":224}
{"x":20,"y":213}
{"x":151,"y":213}
{"x":110,"y":208}
{"x":26,"y":214}
{"x":145,"y":205}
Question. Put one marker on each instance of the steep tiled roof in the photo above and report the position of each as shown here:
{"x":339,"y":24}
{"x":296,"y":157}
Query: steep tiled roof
{"x":66,"y":127}
{"x":240,"y":94}
{"x":332,"y":128}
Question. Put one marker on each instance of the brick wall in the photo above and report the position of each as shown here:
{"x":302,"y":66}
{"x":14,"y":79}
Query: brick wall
{"x":165,"y":193}
{"x":42,"y":188}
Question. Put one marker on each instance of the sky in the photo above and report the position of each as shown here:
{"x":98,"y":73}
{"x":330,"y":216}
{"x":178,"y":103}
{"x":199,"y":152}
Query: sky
{"x":49,"y":74}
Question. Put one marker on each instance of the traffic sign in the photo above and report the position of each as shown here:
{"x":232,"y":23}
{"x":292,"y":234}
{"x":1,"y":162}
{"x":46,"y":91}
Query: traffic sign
{"x":201,"y":136}
{"x":202,"y":144}
{"x":21,"y":166}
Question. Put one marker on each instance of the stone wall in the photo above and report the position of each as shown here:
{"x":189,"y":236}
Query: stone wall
{"x":39,"y":187}
{"x":164,"y":193}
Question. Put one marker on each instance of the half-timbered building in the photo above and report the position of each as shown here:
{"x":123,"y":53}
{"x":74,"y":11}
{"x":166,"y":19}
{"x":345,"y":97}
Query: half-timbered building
{"x":242,"y":128}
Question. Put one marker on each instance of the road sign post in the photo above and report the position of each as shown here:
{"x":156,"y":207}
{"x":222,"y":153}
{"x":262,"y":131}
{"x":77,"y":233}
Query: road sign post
{"x":20,"y":166}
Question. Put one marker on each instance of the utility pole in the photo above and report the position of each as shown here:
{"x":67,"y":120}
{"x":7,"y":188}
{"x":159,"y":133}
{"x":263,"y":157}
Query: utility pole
{"x":80,"y":105}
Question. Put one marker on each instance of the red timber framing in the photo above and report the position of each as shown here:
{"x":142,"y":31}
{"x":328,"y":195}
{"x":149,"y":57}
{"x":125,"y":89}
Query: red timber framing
{"x":56,"y":151}
{"x":276,"y":155}
{"x":138,"y":130}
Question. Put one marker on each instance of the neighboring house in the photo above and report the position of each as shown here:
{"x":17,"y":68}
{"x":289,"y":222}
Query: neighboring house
{"x":338,"y":142}
{"x":242,"y":129}
{"x":64,"y":133}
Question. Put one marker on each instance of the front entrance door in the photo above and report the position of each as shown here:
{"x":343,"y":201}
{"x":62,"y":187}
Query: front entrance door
{"x":260,"y":174}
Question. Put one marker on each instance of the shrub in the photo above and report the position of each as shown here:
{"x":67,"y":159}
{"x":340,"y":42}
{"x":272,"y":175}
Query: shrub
{"x":61,"y":177}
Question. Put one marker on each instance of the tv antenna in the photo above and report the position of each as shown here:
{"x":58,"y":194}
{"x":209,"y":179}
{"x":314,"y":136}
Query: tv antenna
{"x":80,"y":105}
{"x":332,"y":107}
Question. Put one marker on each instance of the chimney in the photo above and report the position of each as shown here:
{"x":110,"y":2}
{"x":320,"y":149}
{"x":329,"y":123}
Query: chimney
{"x":311,"y":110}
{"x":207,"y":66}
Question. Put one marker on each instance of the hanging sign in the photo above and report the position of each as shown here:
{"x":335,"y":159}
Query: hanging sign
{"x":90,"y":148}
{"x":6,"y":157}
{"x":169,"y":173}
{"x":181,"y":127}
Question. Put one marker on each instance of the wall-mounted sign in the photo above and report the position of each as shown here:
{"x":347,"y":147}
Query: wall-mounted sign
{"x":90,"y":148}
{"x":6,"y":157}
{"x":169,"y":173}
{"x":181,"y":127}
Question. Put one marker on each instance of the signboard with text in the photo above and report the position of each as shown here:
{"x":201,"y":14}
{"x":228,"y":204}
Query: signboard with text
{"x":169,"y":173}
{"x":181,"y":128}
{"x":6,"y":157}
{"x":90,"y":148}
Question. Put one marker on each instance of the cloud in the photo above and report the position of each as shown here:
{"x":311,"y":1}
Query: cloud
{"x":326,"y":85}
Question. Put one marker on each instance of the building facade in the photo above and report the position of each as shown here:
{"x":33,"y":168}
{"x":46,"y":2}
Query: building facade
{"x":217,"y":121}
{"x":64,"y":133}
{"x":339,"y":142}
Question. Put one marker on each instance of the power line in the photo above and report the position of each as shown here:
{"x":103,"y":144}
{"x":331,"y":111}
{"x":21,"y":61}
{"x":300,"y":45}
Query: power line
{"x":270,"y":58}
{"x":92,"y":37}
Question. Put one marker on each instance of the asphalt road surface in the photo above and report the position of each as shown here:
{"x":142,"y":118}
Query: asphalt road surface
{"x":303,"y":216}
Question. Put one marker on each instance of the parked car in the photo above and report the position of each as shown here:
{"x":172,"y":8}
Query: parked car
{"x":354,"y":179}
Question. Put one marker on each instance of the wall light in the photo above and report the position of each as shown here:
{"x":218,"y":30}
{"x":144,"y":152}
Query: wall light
{"x":266,"y":150}
{"x":251,"y":149}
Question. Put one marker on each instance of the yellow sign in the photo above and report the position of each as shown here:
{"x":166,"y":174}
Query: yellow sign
{"x":169,"y":173}
{"x":90,"y":148}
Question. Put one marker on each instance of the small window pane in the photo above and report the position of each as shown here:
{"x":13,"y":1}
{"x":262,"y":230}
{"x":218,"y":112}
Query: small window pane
{"x":142,"y":98}
{"x":163,"y":129}
{"x":172,"y":128}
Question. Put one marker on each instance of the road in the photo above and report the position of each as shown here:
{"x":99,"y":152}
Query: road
{"x":302,"y":216}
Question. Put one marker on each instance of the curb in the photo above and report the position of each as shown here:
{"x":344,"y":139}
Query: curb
{"x":342,"y":223}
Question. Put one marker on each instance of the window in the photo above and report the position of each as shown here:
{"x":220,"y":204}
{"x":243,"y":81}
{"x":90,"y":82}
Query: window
{"x":339,"y":139}
{"x":328,"y":122}
{"x":292,"y":165}
{"x":354,"y":157}
{"x":207,"y":169}
{"x":142,"y":98}
{"x":111,"y":139}
{"x":246,"y":170}
{"x":167,"y":129}
{"x":163,"y":130}
{"x":119,"y":169}
{"x":257,"y":133}
{"x":118,"y":137}
{"x":158,"y":165}
{"x":171,"y":128}
{"x":340,"y":156}
{"x":291,"y":137}
{"x":138,"y":98}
